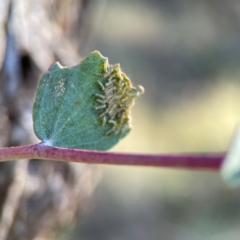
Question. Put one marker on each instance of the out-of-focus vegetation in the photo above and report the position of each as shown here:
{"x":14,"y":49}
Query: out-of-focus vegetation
{"x":186,"y":55}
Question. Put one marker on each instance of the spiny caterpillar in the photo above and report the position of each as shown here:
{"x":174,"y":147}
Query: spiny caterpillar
{"x":118,"y":95}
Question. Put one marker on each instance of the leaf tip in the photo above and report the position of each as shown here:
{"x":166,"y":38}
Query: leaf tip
{"x":55,"y":65}
{"x":230,"y":169}
{"x":97,"y":53}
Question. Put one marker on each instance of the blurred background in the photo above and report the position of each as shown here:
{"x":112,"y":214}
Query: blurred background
{"x":186,"y":55}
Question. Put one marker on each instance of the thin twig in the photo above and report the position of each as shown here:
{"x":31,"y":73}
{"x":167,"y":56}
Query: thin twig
{"x":207,"y":161}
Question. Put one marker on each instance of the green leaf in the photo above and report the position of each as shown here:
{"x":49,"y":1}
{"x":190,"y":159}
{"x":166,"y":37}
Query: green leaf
{"x":86,"y":106}
{"x":230,"y":169}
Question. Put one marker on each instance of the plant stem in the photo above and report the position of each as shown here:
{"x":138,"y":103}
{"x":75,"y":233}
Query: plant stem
{"x":208,"y":161}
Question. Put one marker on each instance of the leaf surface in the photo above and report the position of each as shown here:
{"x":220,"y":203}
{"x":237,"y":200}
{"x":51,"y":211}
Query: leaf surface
{"x":84,"y":107}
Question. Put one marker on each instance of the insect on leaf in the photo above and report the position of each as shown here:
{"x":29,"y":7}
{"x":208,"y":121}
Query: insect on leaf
{"x":84,"y":107}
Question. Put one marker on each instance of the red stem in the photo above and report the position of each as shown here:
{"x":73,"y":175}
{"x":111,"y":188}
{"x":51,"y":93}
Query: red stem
{"x":208,"y":161}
